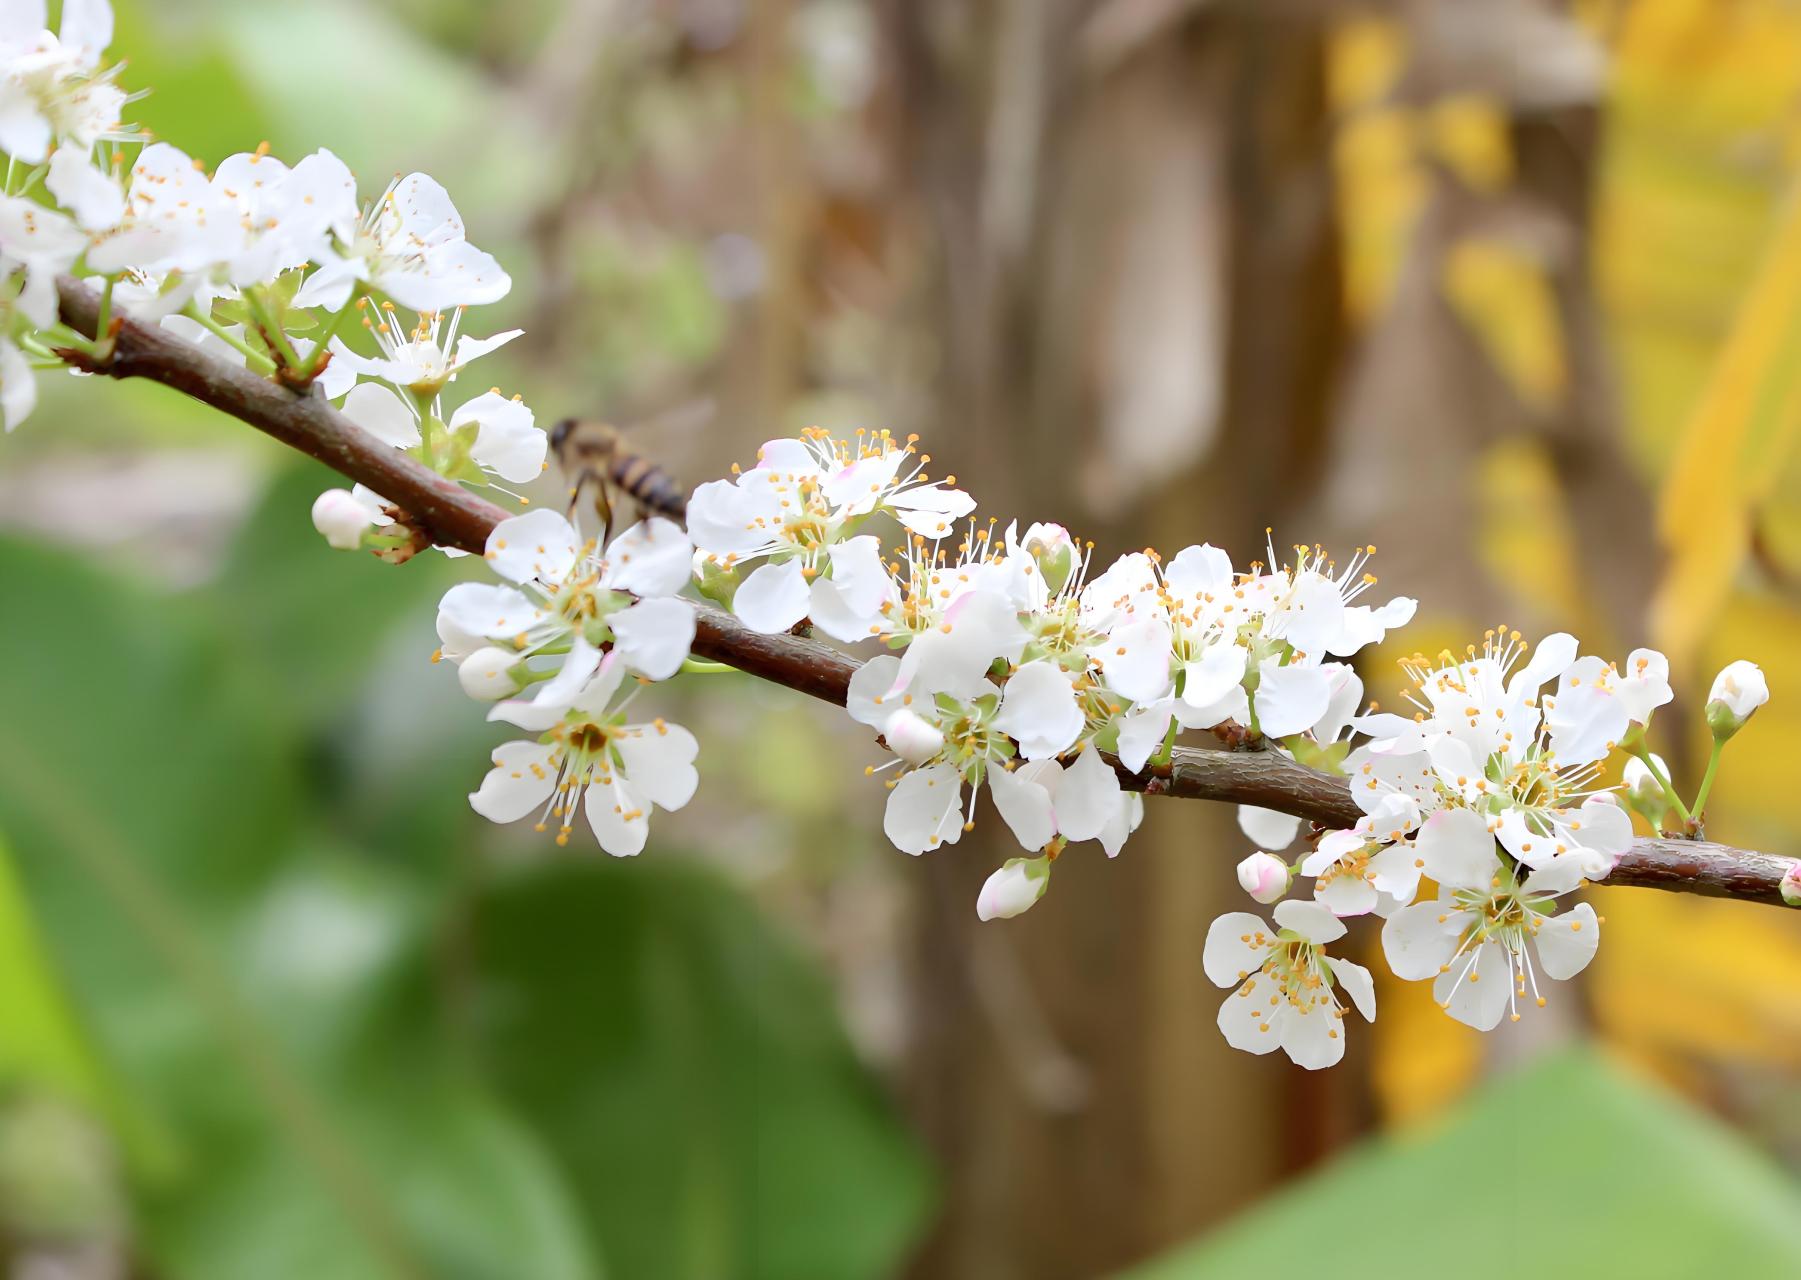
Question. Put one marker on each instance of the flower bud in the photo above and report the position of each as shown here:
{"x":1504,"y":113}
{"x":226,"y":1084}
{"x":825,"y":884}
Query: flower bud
{"x":1643,"y":792}
{"x":487,"y":674}
{"x":1737,"y":691}
{"x":912,"y":737}
{"x":342,"y":519}
{"x":1012,"y":889}
{"x":1264,"y":876}
{"x":1791,"y":885}
{"x":1054,"y":552}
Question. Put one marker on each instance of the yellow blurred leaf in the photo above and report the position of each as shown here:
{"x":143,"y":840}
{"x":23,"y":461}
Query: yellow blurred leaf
{"x":1500,"y":291}
{"x":1469,"y":134}
{"x":1734,"y":448}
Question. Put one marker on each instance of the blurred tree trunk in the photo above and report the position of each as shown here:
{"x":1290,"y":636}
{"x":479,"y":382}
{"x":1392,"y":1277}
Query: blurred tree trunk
{"x":1138,"y":301}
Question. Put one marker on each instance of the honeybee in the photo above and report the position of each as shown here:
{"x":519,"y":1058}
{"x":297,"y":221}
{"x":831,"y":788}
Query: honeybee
{"x":597,"y":460}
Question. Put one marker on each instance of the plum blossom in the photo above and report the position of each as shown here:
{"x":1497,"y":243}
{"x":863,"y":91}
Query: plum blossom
{"x":45,"y":244}
{"x":410,"y":245}
{"x":569,"y":601}
{"x":949,"y":740}
{"x":253,"y":219}
{"x":1492,"y":932}
{"x":52,"y":87}
{"x":421,"y":360}
{"x":1288,"y":986}
{"x":800,"y":510}
{"x":590,"y":759}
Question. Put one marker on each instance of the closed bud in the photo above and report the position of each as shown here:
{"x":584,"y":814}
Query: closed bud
{"x":1737,"y":691}
{"x":342,"y":519}
{"x":487,"y":674}
{"x":1012,"y":889}
{"x":912,"y":737}
{"x":1643,"y":792}
{"x":1264,"y":876}
{"x":1791,"y":885}
{"x":1054,"y":552}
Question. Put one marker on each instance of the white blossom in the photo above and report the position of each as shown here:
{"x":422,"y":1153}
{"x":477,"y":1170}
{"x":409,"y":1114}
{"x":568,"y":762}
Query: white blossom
{"x":52,"y":87}
{"x":1013,"y":888}
{"x":410,"y":245}
{"x":1288,"y":986}
{"x":1491,"y":935}
{"x":592,"y":760}
{"x":1738,"y":691}
{"x":569,"y":601}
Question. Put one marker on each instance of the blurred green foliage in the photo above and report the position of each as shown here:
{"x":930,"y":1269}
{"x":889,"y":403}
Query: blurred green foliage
{"x":328,"y":1032}
{"x":1571,"y":1166}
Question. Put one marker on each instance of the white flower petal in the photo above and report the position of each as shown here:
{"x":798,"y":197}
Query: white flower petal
{"x":773,"y":598}
{"x":924,"y":809}
{"x":519,"y":783}
{"x":1237,"y":945}
{"x":619,"y":818}
{"x":382,"y":414}
{"x":1267,"y":828}
{"x":1420,"y":939}
{"x":652,"y":558}
{"x":1024,"y":803}
{"x":540,"y":544}
{"x":1457,"y":848}
{"x":1087,"y":798}
{"x":654,"y":635}
{"x":1475,"y":990}
{"x":1290,"y":699}
{"x":1312,"y":921}
{"x":659,"y":760}
{"x":1312,"y":1037}
{"x":1566,"y":943}
{"x":1358,"y":984}
{"x":1039,"y":711}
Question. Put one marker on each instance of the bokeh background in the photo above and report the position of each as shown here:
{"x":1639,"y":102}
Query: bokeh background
{"x":1510,"y":289}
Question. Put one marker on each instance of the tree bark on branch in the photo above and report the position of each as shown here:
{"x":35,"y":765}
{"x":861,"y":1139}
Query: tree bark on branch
{"x":453,"y":516}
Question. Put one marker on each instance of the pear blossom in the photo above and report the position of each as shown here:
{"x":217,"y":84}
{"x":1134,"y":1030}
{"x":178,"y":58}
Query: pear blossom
{"x":52,"y":87}
{"x":1493,"y":932}
{"x":1288,"y":987}
{"x":410,"y":245}
{"x":592,"y":760}
{"x":568,"y":600}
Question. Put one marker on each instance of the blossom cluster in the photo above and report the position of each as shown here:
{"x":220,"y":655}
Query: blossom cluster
{"x":997,"y":658}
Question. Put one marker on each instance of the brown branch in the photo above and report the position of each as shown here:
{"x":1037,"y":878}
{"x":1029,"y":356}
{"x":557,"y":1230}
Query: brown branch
{"x":453,"y":516}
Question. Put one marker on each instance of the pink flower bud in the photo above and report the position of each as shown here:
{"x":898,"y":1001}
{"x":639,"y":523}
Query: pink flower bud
{"x":1012,"y":889}
{"x":912,"y":737}
{"x":341,"y":518}
{"x":1791,"y":885}
{"x":1264,"y":876}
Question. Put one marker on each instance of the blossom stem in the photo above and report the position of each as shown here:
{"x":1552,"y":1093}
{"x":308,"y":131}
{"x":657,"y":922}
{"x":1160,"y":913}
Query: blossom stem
{"x":272,"y":333}
{"x":695,"y":666}
{"x":103,"y":337}
{"x":315,"y":364}
{"x":1713,"y":766}
{"x":258,"y":360}
{"x":1644,"y":755}
{"x":1167,"y":751}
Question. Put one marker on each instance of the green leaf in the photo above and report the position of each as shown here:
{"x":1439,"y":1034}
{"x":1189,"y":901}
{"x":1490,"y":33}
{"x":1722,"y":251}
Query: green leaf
{"x":688,"y":1070}
{"x":1570,"y":1167}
